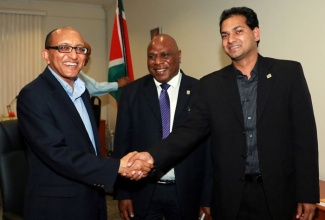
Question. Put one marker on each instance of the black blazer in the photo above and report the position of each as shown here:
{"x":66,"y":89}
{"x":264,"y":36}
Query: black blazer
{"x":286,"y":138}
{"x":66,"y":179}
{"x":139,"y":127}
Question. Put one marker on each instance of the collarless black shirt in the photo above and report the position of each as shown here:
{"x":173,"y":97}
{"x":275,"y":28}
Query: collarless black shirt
{"x":248,"y":97}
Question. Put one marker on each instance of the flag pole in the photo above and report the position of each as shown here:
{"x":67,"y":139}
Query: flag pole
{"x":120,"y":17}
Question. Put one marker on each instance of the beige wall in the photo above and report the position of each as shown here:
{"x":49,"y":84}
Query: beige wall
{"x":289,"y":30}
{"x":90,"y":20}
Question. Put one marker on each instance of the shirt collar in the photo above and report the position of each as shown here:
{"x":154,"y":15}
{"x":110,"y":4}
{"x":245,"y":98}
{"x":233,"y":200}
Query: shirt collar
{"x":174,"y":82}
{"x":254,"y":71}
{"x":79,"y":86}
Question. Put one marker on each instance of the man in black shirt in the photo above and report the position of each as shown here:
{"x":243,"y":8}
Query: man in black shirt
{"x":259,"y":113}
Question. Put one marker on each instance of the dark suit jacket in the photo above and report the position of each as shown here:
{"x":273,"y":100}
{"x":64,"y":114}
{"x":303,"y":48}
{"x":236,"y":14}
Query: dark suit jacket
{"x":66,"y":178}
{"x":139,"y":127}
{"x":286,"y":138}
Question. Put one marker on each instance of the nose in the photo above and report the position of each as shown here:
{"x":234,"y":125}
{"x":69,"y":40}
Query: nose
{"x":159,"y":60}
{"x":73,"y":54}
{"x":231,"y":38}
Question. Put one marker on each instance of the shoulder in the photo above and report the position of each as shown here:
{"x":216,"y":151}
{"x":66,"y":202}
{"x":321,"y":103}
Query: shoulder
{"x":42,"y":85}
{"x":189,"y":80}
{"x":38,"y":83}
{"x":278,"y":62}
{"x":221,"y":73}
{"x":144,"y":80}
{"x":139,"y":85}
{"x":286,"y":70}
{"x":36,"y":91}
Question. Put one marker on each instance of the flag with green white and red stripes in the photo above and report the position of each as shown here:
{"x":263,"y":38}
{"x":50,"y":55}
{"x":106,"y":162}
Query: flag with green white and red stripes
{"x":120,"y":63}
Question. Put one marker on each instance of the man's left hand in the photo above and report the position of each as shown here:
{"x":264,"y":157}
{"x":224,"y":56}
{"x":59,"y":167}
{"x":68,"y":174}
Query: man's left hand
{"x":305,"y":211}
{"x":206,"y":212}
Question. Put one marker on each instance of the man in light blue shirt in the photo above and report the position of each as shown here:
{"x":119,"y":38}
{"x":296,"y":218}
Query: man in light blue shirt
{"x":100,"y":88}
{"x":67,"y":176}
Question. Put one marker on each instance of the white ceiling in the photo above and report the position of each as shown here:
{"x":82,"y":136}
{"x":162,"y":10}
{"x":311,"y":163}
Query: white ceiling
{"x":95,"y":2}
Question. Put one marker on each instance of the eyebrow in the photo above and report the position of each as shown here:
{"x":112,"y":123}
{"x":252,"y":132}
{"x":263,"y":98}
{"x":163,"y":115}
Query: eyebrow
{"x":233,"y":29}
{"x":69,"y":44}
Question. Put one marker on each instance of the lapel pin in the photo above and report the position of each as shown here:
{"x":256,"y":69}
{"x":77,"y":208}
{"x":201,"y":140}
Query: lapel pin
{"x":269,"y":75}
{"x":188,"y":92}
{"x":188,"y":109}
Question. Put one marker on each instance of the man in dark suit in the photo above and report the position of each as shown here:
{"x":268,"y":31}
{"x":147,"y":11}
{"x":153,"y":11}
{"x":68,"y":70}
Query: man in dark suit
{"x":181,"y":192}
{"x":67,"y":176}
{"x":259,"y":114}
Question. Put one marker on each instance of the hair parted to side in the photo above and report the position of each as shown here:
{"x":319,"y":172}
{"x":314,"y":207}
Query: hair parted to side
{"x":248,"y":13}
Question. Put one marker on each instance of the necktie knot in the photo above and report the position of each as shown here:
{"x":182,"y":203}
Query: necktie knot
{"x":164,"y":86}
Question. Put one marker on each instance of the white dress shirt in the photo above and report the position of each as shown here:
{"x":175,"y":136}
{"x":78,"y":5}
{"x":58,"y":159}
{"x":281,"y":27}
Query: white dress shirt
{"x":172,"y":91}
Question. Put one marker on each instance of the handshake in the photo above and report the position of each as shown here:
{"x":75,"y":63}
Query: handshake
{"x":136,"y":165}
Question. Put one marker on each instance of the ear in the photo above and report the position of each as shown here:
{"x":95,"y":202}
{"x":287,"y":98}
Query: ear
{"x":180,"y":56}
{"x":45,"y":55}
{"x":256,"y":32}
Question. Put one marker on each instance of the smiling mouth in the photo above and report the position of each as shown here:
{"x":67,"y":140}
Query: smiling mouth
{"x":160,"y":71}
{"x":71,"y":64}
{"x":232,"y":48}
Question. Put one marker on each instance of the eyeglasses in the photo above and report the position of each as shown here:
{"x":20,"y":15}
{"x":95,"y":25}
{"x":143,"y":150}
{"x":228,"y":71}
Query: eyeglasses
{"x":68,"y":49}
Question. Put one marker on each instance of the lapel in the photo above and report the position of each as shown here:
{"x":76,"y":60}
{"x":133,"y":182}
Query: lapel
{"x":151,"y":96}
{"x":184,"y":95}
{"x":265,"y":80}
{"x":229,"y":84}
{"x":62,"y":98}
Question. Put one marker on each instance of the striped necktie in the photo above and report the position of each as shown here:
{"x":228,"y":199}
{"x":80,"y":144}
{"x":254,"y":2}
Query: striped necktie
{"x":164,"y":110}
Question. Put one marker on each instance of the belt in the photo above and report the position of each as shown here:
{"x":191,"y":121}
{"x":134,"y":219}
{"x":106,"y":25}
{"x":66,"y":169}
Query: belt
{"x":166,"y":182}
{"x":253,"y":178}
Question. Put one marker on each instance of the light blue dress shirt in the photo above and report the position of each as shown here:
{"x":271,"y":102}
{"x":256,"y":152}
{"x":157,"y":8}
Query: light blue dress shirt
{"x":97,"y":88}
{"x":75,"y":96}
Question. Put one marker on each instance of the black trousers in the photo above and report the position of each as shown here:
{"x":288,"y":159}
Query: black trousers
{"x":164,"y":204}
{"x":254,"y":204}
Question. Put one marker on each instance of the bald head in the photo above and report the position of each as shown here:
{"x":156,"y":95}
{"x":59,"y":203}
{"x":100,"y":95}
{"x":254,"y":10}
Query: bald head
{"x":163,"y":58}
{"x":165,"y":39}
{"x":66,"y":64}
{"x":59,"y":31}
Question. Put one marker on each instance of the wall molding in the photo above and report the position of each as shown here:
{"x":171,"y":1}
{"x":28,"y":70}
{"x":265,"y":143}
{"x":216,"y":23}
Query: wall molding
{"x":22,"y":12}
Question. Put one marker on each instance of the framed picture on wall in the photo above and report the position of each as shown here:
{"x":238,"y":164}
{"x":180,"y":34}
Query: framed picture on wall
{"x":154,"y":32}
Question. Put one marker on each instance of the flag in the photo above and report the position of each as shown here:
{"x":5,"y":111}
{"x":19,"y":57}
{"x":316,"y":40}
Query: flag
{"x":120,"y":63}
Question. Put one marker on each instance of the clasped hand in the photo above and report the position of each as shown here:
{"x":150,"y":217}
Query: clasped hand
{"x":135,"y":165}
